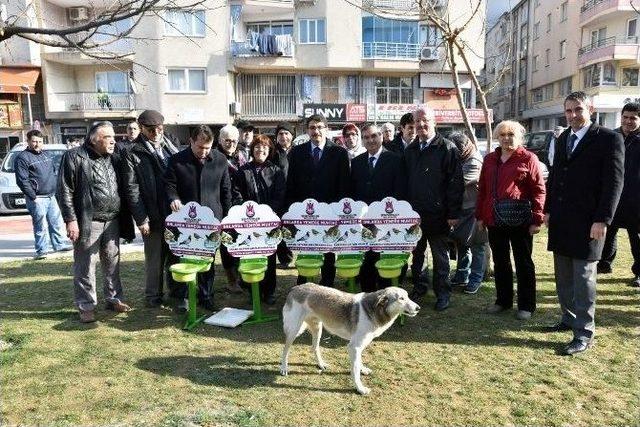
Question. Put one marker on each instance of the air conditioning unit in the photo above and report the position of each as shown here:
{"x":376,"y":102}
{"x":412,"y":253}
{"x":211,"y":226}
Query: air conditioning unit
{"x":429,"y":54}
{"x":235,"y":108}
{"x":78,"y":14}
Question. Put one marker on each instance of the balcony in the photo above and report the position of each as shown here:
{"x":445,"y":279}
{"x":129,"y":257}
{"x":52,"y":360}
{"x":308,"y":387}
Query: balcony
{"x":250,"y":55}
{"x":608,"y":49}
{"x":594,"y":9}
{"x":391,"y":51}
{"x":120,"y":51}
{"x":91,"y":104}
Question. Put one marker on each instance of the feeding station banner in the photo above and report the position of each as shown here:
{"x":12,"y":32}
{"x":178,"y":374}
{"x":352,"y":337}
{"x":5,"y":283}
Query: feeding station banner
{"x":391,"y":226}
{"x":310,"y":227}
{"x":251,"y":230}
{"x":193,"y":230}
{"x":350,"y":214}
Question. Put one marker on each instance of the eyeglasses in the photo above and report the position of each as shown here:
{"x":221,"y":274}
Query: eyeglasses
{"x":231,"y":141}
{"x":319,"y":127}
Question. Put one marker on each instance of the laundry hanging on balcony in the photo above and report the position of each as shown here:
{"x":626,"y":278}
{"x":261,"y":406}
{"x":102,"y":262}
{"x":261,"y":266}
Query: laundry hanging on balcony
{"x":269,"y":44}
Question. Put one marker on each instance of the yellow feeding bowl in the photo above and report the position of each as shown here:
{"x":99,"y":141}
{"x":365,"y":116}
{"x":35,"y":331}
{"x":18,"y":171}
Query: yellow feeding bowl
{"x":252,"y":272}
{"x":184,"y":272}
{"x":389,"y":268}
{"x":308,"y":267}
{"x":203,"y":264}
{"x":348,"y":268}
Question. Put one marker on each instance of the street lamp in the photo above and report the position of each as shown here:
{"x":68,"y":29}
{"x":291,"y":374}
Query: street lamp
{"x":26,"y":89}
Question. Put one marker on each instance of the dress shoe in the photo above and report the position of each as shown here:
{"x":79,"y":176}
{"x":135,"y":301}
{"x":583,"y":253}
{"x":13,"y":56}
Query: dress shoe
{"x":523,"y":315}
{"x":234,"y":288}
{"x":153,"y":303}
{"x":118,"y":307}
{"x":635,"y":283}
{"x":181,"y":306}
{"x":603,"y":269}
{"x":87,"y":316}
{"x":557,"y":327}
{"x":496,"y":308}
{"x":442,"y":303}
{"x":576,"y":346}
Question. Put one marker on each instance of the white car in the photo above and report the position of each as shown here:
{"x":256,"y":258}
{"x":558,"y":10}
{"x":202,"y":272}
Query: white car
{"x":11,"y":198}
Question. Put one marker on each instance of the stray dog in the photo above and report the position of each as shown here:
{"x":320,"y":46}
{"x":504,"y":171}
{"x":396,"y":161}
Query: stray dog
{"x":358,"y":318}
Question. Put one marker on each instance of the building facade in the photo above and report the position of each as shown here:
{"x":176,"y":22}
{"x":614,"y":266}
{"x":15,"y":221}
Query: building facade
{"x":589,"y":45}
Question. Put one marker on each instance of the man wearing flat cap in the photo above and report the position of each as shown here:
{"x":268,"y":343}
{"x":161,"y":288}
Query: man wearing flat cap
{"x":144,"y":168}
{"x":246,"y":137}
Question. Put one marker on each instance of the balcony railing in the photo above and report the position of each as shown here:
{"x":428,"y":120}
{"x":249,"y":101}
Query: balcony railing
{"x":383,"y":50}
{"x":609,"y":41}
{"x":247,"y":50}
{"x":592,"y":8}
{"x":91,"y":101}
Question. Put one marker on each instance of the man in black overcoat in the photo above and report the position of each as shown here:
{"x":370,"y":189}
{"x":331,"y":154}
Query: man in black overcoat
{"x":199,"y":174}
{"x":376,"y":174}
{"x":318,"y":169}
{"x":583,"y":191}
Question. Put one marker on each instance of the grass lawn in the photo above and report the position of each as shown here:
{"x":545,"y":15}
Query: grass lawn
{"x":458,"y":367}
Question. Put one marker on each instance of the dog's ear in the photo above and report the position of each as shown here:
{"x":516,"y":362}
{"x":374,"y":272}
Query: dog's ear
{"x":382,"y":300}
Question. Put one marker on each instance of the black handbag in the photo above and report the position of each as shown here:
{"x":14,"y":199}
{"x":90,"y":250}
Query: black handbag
{"x":509,"y":212}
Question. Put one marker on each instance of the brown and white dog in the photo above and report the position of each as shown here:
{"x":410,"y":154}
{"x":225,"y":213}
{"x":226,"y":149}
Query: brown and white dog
{"x":358,"y":318}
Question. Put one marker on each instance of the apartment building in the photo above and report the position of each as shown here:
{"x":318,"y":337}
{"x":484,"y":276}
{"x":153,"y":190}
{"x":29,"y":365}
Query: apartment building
{"x":353,"y":61}
{"x":259,"y":60}
{"x":589,"y":45}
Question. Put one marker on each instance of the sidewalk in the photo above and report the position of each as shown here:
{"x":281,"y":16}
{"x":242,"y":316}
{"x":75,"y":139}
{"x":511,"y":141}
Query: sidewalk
{"x":16,"y":240}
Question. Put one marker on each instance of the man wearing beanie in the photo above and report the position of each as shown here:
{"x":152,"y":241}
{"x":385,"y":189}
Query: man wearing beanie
{"x":284,"y":142}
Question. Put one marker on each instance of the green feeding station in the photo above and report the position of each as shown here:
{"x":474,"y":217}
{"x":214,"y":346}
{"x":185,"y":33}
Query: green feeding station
{"x":392,"y":228}
{"x":193,"y":234}
{"x":251,"y":232}
{"x":350,"y":245}
{"x":311,"y":229}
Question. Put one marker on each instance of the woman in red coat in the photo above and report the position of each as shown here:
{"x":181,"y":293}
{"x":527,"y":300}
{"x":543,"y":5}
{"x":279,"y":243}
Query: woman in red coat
{"x":511,"y":172}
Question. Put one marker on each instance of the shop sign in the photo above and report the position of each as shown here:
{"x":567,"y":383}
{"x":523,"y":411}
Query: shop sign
{"x":393,"y":112}
{"x":332,"y":112}
{"x":356,"y":113}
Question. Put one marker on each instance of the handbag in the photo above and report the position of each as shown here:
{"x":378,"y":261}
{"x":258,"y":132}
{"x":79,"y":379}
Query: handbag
{"x":509,"y":212}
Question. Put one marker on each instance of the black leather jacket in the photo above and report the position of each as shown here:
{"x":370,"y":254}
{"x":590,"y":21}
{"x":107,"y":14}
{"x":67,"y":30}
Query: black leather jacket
{"x":74,"y":193}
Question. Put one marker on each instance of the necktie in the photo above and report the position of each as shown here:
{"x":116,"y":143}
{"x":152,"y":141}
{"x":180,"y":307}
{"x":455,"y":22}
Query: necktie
{"x":372,"y":160}
{"x":571,"y":144}
{"x":423,"y":145}
{"x":316,"y":156}
{"x":161,"y":156}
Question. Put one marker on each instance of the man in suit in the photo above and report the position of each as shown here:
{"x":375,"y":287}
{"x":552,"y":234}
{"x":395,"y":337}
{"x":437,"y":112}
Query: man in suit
{"x":404,"y":137}
{"x":201,"y":175}
{"x":435,"y":187}
{"x":628,"y":212}
{"x":375,"y":174}
{"x":583,"y":191}
{"x":144,"y":168}
{"x":318,"y":169}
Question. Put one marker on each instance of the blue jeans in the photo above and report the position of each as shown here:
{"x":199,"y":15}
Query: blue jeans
{"x":471,"y":264}
{"x":48,"y":229}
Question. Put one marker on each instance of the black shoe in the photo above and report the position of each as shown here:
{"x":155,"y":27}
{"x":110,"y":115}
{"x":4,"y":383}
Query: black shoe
{"x":182,"y":306}
{"x":557,"y":327}
{"x":442,"y":303}
{"x":635,"y":283}
{"x":270,"y":299}
{"x":603,"y":269}
{"x":575,"y":346}
{"x":153,"y":303}
{"x":417,"y":294}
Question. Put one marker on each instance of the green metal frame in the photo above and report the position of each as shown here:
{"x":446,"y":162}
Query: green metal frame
{"x":350,"y":279}
{"x":395,"y":280}
{"x":190,"y":277}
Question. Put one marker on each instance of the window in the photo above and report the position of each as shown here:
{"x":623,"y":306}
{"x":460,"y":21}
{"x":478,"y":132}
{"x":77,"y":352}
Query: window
{"x":312,"y":31}
{"x":608,"y":74}
{"x":536,"y":30}
{"x":522,"y":98}
{"x":188,"y":80}
{"x":535,"y":63}
{"x":523,"y":71}
{"x":598,"y":37}
{"x":329,"y":89}
{"x":430,"y":35}
{"x":394,"y":90}
{"x":563,"y":11}
{"x":523,"y":38}
{"x":524,"y":13}
{"x":632,"y":30}
{"x":548,"y":23}
{"x":112,"y":82}
{"x":547,"y":57}
{"x":267,"y":94}
{"x":565,"y":86}
{"x":537,"y":95}
{"x":386,"y":38}
{"x":275,"y":28}
{"x":182,"y":23}
{"x":591,"y":76}
{"x":630,"y":76}
{"x":563,"y":49}
{"x":548,"y":92}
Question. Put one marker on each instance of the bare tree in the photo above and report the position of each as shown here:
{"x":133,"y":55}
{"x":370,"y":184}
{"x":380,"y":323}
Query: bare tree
{"x":114,"y":22}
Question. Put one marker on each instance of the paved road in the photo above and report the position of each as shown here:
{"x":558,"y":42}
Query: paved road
{"x":16,"y":240}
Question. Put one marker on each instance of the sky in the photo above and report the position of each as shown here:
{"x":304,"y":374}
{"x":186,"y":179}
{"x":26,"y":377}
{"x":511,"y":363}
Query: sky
{"x":495,"y":9}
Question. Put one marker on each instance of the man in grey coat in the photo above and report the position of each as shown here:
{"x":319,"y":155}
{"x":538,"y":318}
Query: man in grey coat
{"x":584,"y":188}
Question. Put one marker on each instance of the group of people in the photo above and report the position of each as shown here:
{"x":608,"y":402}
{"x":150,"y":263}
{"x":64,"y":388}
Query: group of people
{"x":500,"y":201}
